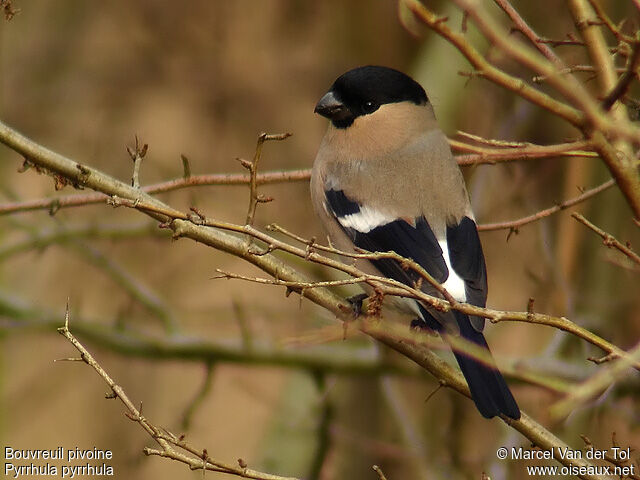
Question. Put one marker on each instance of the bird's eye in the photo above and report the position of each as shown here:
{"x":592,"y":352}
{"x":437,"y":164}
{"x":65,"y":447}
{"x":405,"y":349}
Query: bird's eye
{"x":370,"y":107}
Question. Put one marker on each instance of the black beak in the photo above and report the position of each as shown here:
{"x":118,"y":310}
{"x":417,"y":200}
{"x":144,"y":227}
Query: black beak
{"x":329,"y":106}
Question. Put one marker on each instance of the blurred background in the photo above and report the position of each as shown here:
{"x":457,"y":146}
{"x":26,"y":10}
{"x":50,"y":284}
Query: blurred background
{"x":202,"y":79}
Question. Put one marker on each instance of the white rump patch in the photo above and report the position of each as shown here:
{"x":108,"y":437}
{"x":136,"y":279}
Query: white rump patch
{"x":365,"y":220}
{"x":454,"y":284}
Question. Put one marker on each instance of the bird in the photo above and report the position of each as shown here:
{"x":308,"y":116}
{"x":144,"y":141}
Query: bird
{"x":384,"y":179}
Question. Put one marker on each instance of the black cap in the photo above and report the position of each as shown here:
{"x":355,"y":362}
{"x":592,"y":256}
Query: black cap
{"x":363,"y":90}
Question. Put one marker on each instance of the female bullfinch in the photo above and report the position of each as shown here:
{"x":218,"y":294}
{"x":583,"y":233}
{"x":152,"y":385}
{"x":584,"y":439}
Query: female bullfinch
{"x":384,"y":179}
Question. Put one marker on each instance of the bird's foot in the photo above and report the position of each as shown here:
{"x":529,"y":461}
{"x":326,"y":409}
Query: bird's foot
{"x":422,"y":326}
{"x":356,"y":303}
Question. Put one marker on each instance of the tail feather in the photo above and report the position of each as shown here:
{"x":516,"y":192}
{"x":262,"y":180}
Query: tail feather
{"x":488,"y":388}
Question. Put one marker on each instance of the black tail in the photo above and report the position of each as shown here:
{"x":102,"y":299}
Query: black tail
{"x":488,"y":388}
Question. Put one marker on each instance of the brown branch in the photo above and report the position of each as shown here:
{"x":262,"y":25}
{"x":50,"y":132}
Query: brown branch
{"x":492,"y":141}
{"x":41,"y":239}
{"x":8,"y":9}
{"x":172,"y":446}
{"x":480,"y":63}
{"x":514,"y":225}
{"x":584,"y":112}
{"x":623,"y":167}
{"x":624,"y":82}
{"x":137,"y":154}
{"x":393,"y":287}
{"x":252,"y":166}
{"x":335,"y":359}
{"x":571,"y":42}
{"x":406,"y":263}
{"x":527,"y":31}
{"x":608,"y":239}
{"x":215,"y":238}
{"x":593,"y":386}
{"x":184,"y":224}
{"x":400,"y":333}
{"x":449,"y":377}
{"x":617,"y":153}
{"x":574,"y":69}
{"x":567,"y":86}
{"x":379,"y":471}
{"x":482,"y":155}
{"x":53,"y":204}
{"x":606,"y":21}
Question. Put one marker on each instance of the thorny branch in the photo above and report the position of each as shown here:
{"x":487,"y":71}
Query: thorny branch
{"x":514,"y":225}
{"x":581,"y":109}
{"x":521,"y":25}
{"x":624,"y":82}
{"x":171,"y":446}
{"x":471,"y":155}
{"x":191,"y":226}
{"x":606,"y":132}
{"x":334,"y":358}
{"x":388,"y":286}
{"x":137,"y":154}
{"x":596,"y":384}
{"x":254,"y":197}
{"x":608,"y":239}
{"x":8,"y":9}
{"x":76,"y":200}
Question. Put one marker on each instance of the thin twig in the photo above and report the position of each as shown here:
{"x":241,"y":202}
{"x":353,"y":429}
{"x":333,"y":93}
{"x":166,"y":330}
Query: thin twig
{"x":617,"y":152}
{"x":480,"y":63}
{"x":60,"y":234}
{"x":8,"y":9}
{"x":571,"y":42}
{"x":492,"y":141}
{"x":600,"y":381}
{"x":482,"y":156}
{"x":624,"y":82}
{"x":527,"y":31}
{"x":53,"y":204}
{"x":126,"y":281}
{"x":574,"y":69}
{"x":621,"y":37}
{"x":199,"y":397}
{"x":215,"y":238}
{"x":378,"y":470}
{"x":254,"y":198}
{"x":389,"y":286}
{"x":172,"y":446}
{"x":406,"y":263}
{"x":137,"y":154}
{"x":510,"y":152}
{"x":514,"y":225}
{"x":584,"y":113}
{"x":608,"y":239}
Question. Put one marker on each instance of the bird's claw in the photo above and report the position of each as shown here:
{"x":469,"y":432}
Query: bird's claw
{"x":356,"y":303}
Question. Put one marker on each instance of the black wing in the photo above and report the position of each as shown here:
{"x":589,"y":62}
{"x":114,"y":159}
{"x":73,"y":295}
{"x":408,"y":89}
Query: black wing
{"x":467,"y":260}
{"x":416,"y":242}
